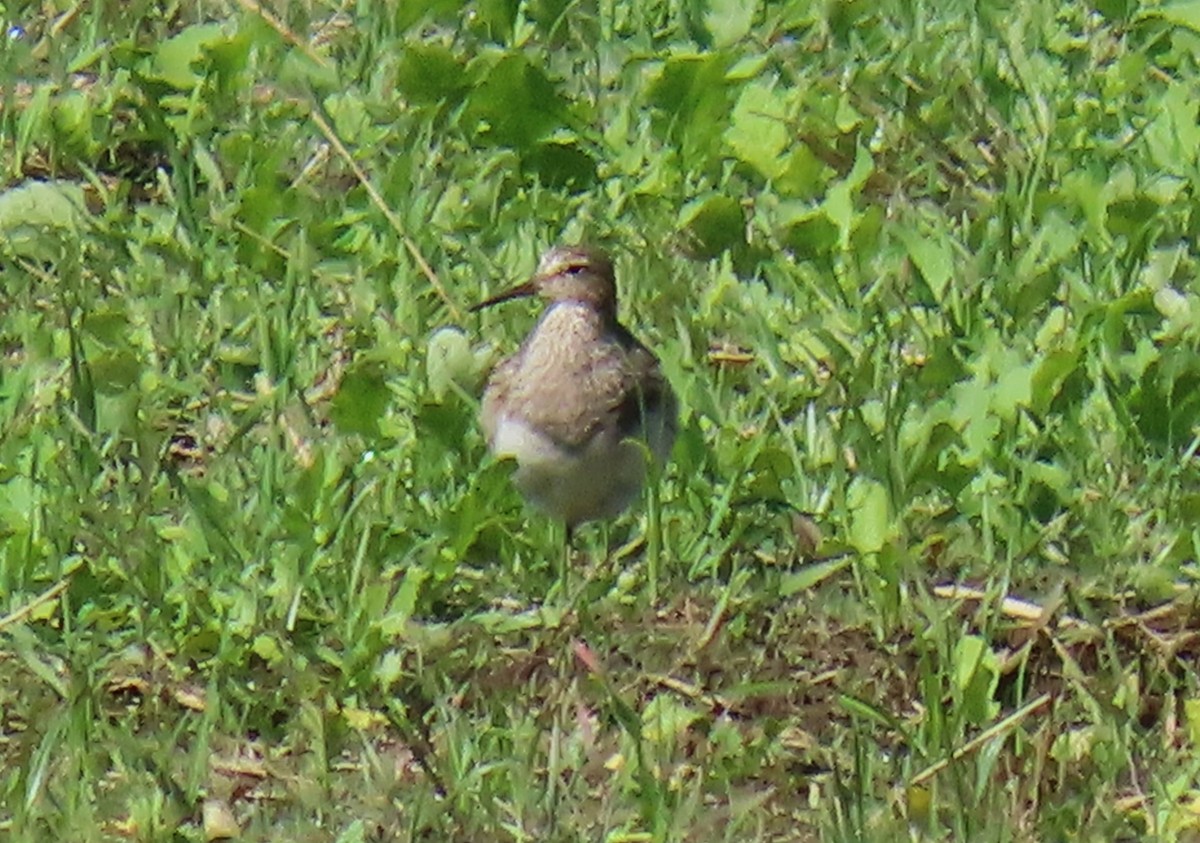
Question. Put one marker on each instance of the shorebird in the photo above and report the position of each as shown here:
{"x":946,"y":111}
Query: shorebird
{"x":574,"y":405}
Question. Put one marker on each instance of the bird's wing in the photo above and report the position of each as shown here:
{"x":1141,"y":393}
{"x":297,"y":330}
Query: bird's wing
{"x":602,"y":389}
{"x":644,"y":393}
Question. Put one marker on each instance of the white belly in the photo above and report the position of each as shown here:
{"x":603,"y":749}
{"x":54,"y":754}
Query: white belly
{"x":596,"y":481}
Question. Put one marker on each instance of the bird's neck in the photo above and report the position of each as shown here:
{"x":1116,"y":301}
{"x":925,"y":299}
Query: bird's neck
{"x":585,"y":314}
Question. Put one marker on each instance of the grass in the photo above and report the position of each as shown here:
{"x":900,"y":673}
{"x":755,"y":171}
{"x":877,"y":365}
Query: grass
{"x":923,"y":565}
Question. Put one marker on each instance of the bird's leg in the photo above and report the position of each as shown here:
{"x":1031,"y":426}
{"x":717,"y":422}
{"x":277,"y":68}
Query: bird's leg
{"x":564,"y":565}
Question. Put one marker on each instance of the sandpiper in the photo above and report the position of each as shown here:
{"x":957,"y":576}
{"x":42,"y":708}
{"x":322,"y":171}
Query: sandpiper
{"x":569,"y":403}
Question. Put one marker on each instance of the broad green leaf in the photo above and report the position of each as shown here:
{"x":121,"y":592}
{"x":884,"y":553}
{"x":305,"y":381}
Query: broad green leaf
{"x":839,"y":201}
{"x":515,"y":103}
{"x":1091,"y":195}
{"x":666,"y":719}
{"x":807,"y":230}
{"x":691,"y":92}
{"x":424,"y":11}
{"x":562,"y":163}
{"x":116,"y":371}
{"x":1153,"y":584}
{"x":267,"y":648}
{"x":1181,"y":310}
{"x":353,"y":833}
{"x":1191,"y":717}
{"x":494,"y":19}
{"x":933,"y":258}
{"x":350,"y":119}
{"x":971,"y":400}
{"x":1052,"y":475}
{"x":1181,"y":14}
{"x":748,"y":67}
{"x":361,"y":400}
{"x":715,"y":224}
{"x":804,"y":175}
{"x":870,"y":515}
{"x":1053,"y":332}
{"x":28,"y":211}
{"x":1012,"y":389}
{"x":847,"y":116}
{"x":1049,"y":376}
{"x":1173,"y":136}
{"x":1134,"y":364}
{"x":173,"y":58}
{"x":976,"y":672}
{"x":979,"y":438}
{"x":402,"y":606}
{"x":430,"y":73}
{"x":729,"y":21}
{"x":74,"y":117}
{"x":758,"y":130}
{"x":109,"y":324}
{"x":1056,"y":239}
{"x":17,"y":504}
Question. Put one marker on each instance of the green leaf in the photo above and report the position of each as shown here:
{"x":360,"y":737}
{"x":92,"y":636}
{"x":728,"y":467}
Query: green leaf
{"x":1191,"y":716}
{"x":870,"y":518}
{"x":1054,"y":329}
{"x":109,"y":324}
{"x":561,"y":163}
{"x":1092,"y":196}
{"x":758,"y":130}
{"x":933,"y":258}
{"x":729,"y":21}
{"x":173,"y":58}
{"x":1053,"y":476}
{"x":115,"y":372}
{"x":350,"y":119}
{"x":361,"y":400}
{"x":979,"y":438}
{"x":430,"y":73}
{"x":715,"y":224}
{"x":1180,"y":14}
{"x":665,"y":719}
{"x":33,"y":123}
{"x":1012,"y":389}
{"x":1049,"y":376}
{"x":73,"y":115}
{"x":1173,"y":135}
{"x":1056,"y":239}
{"x":692,"y":92}
{"x":839,"y":201}
{"x":495,"y":19}
{"x":515,"y":104}
{"x":971,"y":400}
{"x":402,"y":606}
{"x":810,"y":575}
{"x":35,"y":215}
{"x":353,"y":833}
{"x":267,"y":649}
{"x":976,"y":672}
{"x":747,"y":67}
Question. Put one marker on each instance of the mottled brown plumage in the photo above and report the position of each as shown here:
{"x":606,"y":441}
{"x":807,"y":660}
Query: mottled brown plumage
{"x":568,"y":402}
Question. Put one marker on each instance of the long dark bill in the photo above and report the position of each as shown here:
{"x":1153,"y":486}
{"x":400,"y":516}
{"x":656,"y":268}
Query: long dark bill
{"x":519,"y":291}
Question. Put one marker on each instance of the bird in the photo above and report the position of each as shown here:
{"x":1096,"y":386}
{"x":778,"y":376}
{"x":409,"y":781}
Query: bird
{"x":581,"y":403}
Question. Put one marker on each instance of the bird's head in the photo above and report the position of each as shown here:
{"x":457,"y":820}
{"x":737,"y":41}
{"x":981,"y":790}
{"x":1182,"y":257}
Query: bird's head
{"x":567,"y":273}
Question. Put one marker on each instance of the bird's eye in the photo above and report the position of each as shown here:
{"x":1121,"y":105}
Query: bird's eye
{"x":575,"y":269}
